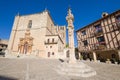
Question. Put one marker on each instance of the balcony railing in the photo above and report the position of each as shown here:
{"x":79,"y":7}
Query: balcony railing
{"x":98,"y":33}
{"x":50,"y":42}
{"x":102,"y":43}
{"x":99,"y":46}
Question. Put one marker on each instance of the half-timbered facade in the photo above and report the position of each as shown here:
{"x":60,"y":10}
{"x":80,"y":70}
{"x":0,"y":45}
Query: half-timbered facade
{"x":100,"y":40}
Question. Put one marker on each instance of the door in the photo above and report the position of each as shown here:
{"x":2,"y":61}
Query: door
{"x":48,"y":54}
{"x":25,"y":48}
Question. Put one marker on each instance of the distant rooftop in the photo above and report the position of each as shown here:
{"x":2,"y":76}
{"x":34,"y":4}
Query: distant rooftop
{"x":2,"y":41}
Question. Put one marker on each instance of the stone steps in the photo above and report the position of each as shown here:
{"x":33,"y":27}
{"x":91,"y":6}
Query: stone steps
{"x":73,"y":70}
{"x":76,"y":69}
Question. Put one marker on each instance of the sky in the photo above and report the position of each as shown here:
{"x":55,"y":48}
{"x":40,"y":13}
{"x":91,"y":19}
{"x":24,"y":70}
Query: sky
{"x":84,"y":11}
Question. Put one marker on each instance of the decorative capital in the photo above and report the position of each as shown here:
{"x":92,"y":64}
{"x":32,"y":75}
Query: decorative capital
{"x":70,"y":18}
{"x":69,"y":15}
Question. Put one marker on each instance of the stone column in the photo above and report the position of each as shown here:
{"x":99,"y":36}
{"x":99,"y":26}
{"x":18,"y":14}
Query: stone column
{"x":79,"y":55}
{"x":70,"y":19}
{"x":119,"y":54}
{"x":94,"y":56}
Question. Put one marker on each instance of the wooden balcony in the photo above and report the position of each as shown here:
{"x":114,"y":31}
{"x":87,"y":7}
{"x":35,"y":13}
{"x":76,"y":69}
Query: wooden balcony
{"x":101,"y":47}
{"x":98,"y":33}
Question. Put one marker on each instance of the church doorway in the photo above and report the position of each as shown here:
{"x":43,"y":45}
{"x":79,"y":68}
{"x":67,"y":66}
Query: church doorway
{"x":26,"y":43}
{"x":25,"y":48}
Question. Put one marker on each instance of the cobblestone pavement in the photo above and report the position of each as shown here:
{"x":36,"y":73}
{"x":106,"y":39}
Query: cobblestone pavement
{"x":44,"y":69}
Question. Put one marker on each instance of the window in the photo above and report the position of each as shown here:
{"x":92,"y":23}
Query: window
{"x":52,"y":53}
{"x":84,"y":32}
{"x":118,"y":18}
{"x":30,"y":24}
{"x":0,"y":49}
{"x":50,"y":46}
{"x":85,"y":43}
{"x":53,"y":40}
{"x":98,"y":28}
{"x":48,"y":40}
{"x":101,"y":39}
{"x":113,"y":27}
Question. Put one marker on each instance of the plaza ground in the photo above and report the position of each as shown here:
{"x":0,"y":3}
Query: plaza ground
{"x":45,"y":69}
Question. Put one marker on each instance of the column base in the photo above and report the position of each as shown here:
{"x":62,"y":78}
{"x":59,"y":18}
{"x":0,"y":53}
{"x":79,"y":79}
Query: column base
{"x":78,"y":69}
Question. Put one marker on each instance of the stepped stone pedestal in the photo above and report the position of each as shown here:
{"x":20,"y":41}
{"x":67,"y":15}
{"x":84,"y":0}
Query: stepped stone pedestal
{"x":78,"y":69}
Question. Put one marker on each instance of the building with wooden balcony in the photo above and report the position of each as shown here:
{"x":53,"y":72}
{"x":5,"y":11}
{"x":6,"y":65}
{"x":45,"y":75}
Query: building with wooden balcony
{"x":100,"y":40}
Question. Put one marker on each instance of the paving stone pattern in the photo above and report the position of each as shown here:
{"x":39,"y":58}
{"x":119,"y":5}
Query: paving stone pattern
{"x":44,"y":69}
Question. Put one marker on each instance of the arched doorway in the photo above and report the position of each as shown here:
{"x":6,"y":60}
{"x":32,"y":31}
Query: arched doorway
{"x":26,"y":43}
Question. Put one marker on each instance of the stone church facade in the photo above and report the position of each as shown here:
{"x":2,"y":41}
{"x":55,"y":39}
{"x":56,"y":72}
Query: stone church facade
{"x":36,"y":34}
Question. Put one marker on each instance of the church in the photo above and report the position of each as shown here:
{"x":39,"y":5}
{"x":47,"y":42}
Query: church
{"x":36,"y":34}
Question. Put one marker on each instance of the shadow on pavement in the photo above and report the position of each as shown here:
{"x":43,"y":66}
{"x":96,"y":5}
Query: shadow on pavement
{"x":7,"y":78}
